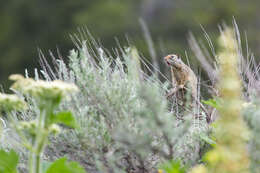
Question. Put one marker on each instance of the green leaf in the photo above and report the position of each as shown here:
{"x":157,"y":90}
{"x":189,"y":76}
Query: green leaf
{"x":62,"y":166}
{"x":173,"y":166}
{"x":8,"y":161}
{"x":207,"y":139}
{"x":65,"y":118}
{"x":215,"y":103}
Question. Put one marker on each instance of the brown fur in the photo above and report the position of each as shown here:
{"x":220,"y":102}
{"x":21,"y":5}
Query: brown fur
{"x":182,"y":75}
{"x":183,"y":79}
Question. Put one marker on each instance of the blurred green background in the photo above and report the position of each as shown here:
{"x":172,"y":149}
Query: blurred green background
{"x":26,"y":25}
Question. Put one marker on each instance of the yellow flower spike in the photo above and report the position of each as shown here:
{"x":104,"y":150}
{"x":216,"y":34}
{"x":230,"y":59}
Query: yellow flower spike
{"x":229,"y":155}
{"x":231,"y":146}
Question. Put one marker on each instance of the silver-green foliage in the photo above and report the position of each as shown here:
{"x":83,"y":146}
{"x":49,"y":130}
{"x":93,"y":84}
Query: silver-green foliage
{"x":252,"y":116}
{"x":122,"y":114}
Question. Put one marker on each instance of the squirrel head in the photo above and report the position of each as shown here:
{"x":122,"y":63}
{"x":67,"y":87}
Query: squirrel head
{"x":173,"y":60}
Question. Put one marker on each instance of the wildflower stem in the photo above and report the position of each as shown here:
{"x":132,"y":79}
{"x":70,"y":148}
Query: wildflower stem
{"x":40,"y":141}
{"x":31,"y":164}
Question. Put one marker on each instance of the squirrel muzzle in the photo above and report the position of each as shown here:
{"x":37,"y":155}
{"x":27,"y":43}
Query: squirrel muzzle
{"x":170,"y":59}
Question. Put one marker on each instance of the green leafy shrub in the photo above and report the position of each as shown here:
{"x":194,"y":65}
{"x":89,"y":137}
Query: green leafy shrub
{"x":123,"y":121}
{"x":123,"y":117}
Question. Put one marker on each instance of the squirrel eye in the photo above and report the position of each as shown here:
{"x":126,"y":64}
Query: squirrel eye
{"x":174,"y":56}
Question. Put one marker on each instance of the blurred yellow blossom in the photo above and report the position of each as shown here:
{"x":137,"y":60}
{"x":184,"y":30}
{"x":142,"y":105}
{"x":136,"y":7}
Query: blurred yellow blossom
{"x":160,"y":171}
{"x":199,"y":169}
{"x":230,"y":154}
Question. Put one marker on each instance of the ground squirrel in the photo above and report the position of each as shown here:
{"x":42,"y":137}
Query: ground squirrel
{"x":183,"y":77}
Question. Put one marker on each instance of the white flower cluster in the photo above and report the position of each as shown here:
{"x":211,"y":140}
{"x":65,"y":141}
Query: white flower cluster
{"x":10,"y":102}
{"x":55,"y":129}
{"x":47,"y":90}
{"x":29,"y":126}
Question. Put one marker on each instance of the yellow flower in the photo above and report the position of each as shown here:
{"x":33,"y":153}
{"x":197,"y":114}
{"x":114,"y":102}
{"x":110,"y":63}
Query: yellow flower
{"x":212,"y":157}
{"x":160,"y":171}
